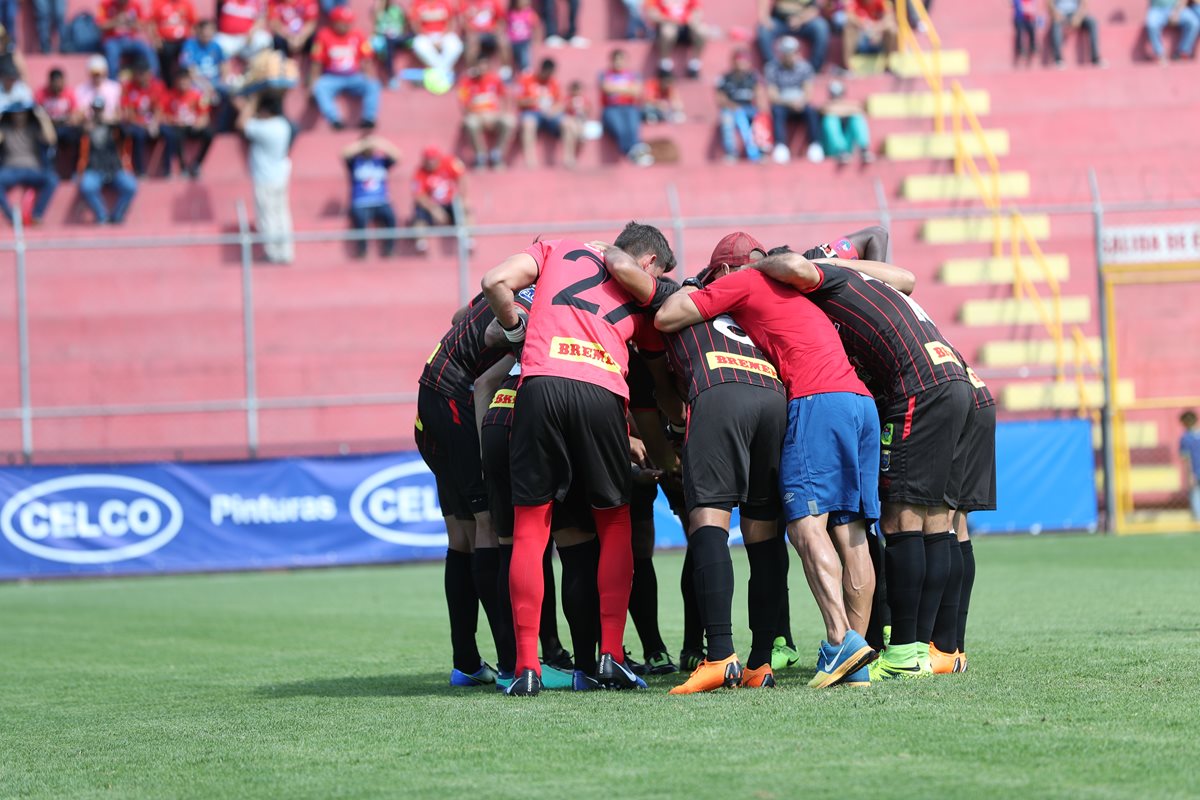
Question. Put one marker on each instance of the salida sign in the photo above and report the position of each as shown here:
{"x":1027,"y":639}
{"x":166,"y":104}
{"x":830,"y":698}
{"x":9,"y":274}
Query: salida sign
{"x":1146,"y":244}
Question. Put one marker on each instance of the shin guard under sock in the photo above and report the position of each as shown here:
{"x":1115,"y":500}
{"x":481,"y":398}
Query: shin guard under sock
{"x":506,"y":659}
{"x":581,"y":601}
{"x":485,"y":565}
{"x":643,"y":606}
{"x":463,"y":604}
{"x":693,"y":630}
{"x":548,"y":634}
{"x":614,"y":578}
{"x":531,"y":531}
{"x":714,"y":588}
{"x":937,"y":572}
{"x":879,"y":607}
{"x":967,"y":549}
{"x":766,"y":596}
{"x":945,"y":627}
{"x":904,"y":565}
{"x":784,"y":628}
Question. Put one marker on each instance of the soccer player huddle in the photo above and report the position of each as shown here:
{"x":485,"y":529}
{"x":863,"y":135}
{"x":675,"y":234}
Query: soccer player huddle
{"x":810,"y":391}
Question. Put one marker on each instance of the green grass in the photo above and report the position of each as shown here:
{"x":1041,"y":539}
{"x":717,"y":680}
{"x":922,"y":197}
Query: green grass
{"x":1083,"y":683}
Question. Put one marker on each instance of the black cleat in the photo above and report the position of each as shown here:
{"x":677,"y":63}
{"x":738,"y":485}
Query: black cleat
{"x":560,"y":659}
{"x":527,"y":684}
{"x":612,"y":675}
{"x":689,"y":659}
{"x":637,"y":668}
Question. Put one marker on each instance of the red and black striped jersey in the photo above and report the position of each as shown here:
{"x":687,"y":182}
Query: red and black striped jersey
{"x":461,"y":356}
{"x":979,"y":390}
{"x":500,"y":408}
{"x":886,"y":334}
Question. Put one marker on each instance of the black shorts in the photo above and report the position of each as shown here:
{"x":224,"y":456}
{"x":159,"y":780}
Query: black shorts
{"x":641,"y":503}
{"x":449,"y":442}
{"x":571,"y":513}
{"x":685,"y":38}
{"x":923,"y":449}
{"x":978,"y":490}
{"x":731,"y":454}
{"x":568,"y":432}
{"x":421,"y":214}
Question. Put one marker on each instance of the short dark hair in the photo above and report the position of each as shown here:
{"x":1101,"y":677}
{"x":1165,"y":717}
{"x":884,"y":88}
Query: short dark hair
{"x":1188,"y":418}
{"x":548,"y":65}
{"x":270,"y":103}
{"x":638,"y":240}
{"x":55,"y":73}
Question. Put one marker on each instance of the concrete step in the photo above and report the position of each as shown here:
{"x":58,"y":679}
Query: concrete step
{"x":1058,"y":395}
{"x":944,"y":188}
{"x":921,"y":105}
{"x":913,"y":146}
{"x":1000,"y":354}
{"x":954,"y":230}
{"x":972,"y":271}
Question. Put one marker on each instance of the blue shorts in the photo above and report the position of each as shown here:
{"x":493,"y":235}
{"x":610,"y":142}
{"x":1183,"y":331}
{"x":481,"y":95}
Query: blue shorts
{"x":551,"y":123}
{"x":830,"y":460}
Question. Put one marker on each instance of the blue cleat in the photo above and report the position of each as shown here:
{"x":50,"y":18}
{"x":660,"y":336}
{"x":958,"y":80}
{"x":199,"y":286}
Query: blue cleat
{"x":860,"y":677}
{"x":580,"y":682}
{"x":612,"y":674}
{"x":484,"y":676}
{"x":835,"y":663}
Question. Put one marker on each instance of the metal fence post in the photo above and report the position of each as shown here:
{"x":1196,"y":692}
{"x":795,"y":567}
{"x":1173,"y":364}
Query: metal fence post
{"x":23,"y":337}
{"x":462,"y":238}
{"x":885,"y":216}
{"x":677,"y":229}
{"x":249,"y":357}
{"x":1106,"y":413}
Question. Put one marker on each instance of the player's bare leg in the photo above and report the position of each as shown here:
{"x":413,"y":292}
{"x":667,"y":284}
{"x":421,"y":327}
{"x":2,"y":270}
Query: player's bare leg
{"x":823,"y":571}
{"x":858,"y":574}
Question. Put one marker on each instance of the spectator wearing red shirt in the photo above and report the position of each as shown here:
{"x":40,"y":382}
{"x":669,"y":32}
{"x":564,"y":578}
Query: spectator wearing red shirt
{"x":185,"y":118}
{"x":540,"y":101}
{"x":484,"y":25}
{"x":870,"y":28}
{"x":242,"y":28}
{"x":58,"y":101}
{"x":122,"y":23}
{"x":436,"y":41}
{"x":141,"y":111}
{"x":438,"y":181}
{"x":662,"y":100}
{"x":679,"y":24}
{"x":172,"y":22}
{"x":343,"y":63}
{"x":486,"y":110}
{"x":293,"y":24}
{"x":621,"y":93}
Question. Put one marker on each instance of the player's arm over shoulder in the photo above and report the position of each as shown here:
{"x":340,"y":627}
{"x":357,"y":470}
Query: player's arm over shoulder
{"x":501,"y":283}
{"x":898,"y":278}
{"x":678,"y":311}
{"x":624,"y":269}
{"x":791,"y":268}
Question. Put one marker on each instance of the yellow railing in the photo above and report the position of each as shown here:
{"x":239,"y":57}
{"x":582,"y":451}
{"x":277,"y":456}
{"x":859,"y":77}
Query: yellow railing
{"x":931,"y":64}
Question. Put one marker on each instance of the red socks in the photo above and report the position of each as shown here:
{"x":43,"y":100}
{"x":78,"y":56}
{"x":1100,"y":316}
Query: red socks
{"x":531,"y":532}
{"x":615,"y":577}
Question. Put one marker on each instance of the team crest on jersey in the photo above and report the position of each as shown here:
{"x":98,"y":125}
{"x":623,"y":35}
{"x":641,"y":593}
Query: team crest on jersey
{"x":941,"y":353}
{"x":885,"y":460}
{"x":504,"y":398}
{"x":526,"y":294}
{"x":885,"y":438}
{"x":568,"y":349}
{"x":719,"y":360}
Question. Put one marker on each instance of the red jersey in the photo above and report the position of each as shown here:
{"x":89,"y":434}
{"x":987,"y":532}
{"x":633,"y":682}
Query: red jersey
{"x":620,"y":80}
{"x":432,"y":16}
{"x":141,"y":103}
{"x":796,"y":335}
{"x":174,"y":19}
{"x":677,"y":11}
{"x":581,"y":319}
{"x":237,"y":17}
{"x":340,"y":54}
{"x":533,"y":95}
{"x":184,"y":108}
{"x":482,"y":16}
{"x":128,"y":17}
{"x":441,"y":183}
{"x":293,"y":15}
{"x":58,"y":107}
{"x":481,"y":94}
{"x":873,"y":10}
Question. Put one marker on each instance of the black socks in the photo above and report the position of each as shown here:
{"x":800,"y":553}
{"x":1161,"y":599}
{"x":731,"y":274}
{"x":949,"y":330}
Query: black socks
{"x":766,"y":597}
{"x":485,"y":569}
{"x":880,"y":614}
{"x":945,"y":627}
{"x":643,"y":606}
{"x":693,"y":629}
{"x":904,"y":567}
{"x":581,"y":601}
{"x":967,"y":549}
{"x":714,"y":588}
{"x":937,"y":572}
{"x":463,"y":605}
{"x":548,"y":628}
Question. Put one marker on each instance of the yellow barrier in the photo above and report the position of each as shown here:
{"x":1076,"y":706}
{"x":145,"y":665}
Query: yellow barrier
{"x":931,"y":68}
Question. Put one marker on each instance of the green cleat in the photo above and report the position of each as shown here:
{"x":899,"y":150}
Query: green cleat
{"x":553,"y":678}
{"x":782,"y":656}
{"x":660,"y":664}
{"x":689,"y":659}
{"x":887,"y":635}
{"x":899,"y":661}
{"x":923,"y":658}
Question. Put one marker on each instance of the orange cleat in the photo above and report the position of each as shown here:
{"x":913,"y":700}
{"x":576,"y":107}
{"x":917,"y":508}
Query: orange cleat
{"x":712,"y":675}
{"x":946,"y":663}
{"x":761,"y":678}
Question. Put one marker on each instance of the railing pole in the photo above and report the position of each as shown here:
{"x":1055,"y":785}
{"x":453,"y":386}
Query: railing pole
{"x":1106,"y":413}
{"x":885,"y":216}
{"x":462,"y":240}
{"x":250,"y":357}
{"x":677,"y":228}
{"x":23,"y":337}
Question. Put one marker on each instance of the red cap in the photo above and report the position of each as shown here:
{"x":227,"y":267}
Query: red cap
{"x":431,"y":153}
{"x":735,"y":250}
{"x":341,"y":14}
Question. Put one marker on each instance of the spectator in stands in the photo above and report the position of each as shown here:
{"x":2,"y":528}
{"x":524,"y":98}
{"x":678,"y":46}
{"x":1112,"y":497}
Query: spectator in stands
{"x":48,"y":16}
{"x":635,"y":20}
{"x":484,"y":22}
{"x":1172,"y":12}
{"x":8,"y":17}
{"x":103,"y":164}
{"x":577,"y":108}
{"x":58,"y":101}
{"x":540,"y":101}
{"x":391,"y":35}
{"x":739,"y":96}
{"x":870,"y":29}
{"x":369,"y":160}
{"x":204,"y":60}
{"x":678,"y":23}
{"x":802,"y":19}
{"x":789,"y":82}
{"x":844,"y":123}
{"x":343,"y":63}
{"x":269,"y":134}
{"x":100,"y":85}
{"x":185,"y":119}
{"x":141,"y":104}
{"x":436,"y":41}
{"x":173,"y":21}
{"x":121,"y":23}
{"x":10,"y":55}
{"x":486,"y":111}
{"x":292,"y":24}
{"x":25,"y":135}
{"x":661,"y":99}
{"x":1067,"y":16}
{"x":568,"y":36}
{"x":522,"y":22}
{"x":439,"y":179}
{"x":621,"y":96}
{"x":13,"y":90}
{"x":1189,"y":449}
{"x":1024,"y":31}
{"x":242,"y":28}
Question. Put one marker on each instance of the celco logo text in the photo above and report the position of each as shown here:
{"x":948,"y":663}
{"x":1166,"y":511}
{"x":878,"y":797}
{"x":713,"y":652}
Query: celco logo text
{"x":400,"y":505}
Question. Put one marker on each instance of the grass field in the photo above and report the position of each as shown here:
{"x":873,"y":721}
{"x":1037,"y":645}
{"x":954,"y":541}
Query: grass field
{"x":1083,"y":683}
